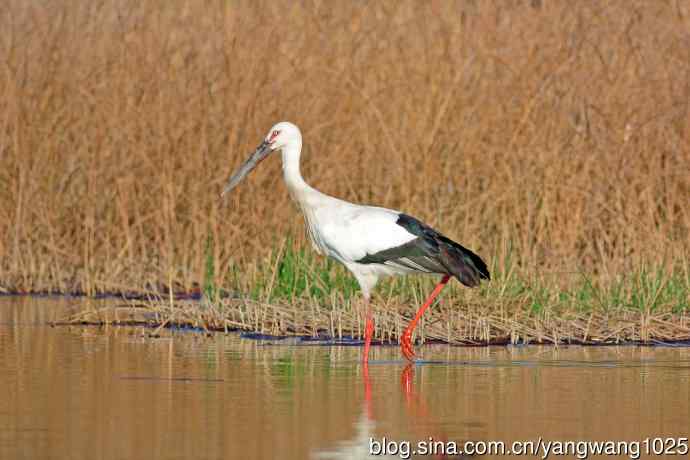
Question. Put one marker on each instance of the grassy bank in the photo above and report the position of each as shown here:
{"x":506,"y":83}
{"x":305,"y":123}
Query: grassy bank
{"x":296,"y":294}
{"x":552,"y":138}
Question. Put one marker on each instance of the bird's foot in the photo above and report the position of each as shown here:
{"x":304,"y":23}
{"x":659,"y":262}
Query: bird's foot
{"x":406,"y":345}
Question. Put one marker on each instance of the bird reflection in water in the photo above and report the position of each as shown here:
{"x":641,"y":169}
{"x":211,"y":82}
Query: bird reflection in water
{"x":359,"y":447}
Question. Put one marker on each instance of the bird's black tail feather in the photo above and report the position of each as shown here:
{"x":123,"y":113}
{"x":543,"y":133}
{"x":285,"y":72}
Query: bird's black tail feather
{"x":457,"y":260}
{"x":462,"y":263}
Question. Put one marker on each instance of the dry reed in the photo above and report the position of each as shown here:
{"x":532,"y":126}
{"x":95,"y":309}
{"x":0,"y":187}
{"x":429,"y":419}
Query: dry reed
{"x":554,"y":132}
{"x":464,"y":325}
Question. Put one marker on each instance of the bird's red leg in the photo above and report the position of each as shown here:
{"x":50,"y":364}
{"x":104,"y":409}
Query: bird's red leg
{"x":368,"y":331}
{"x":406,"y":339}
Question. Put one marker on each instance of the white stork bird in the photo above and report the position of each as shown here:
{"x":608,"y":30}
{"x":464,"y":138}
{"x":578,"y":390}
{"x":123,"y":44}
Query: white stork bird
{"x":370,"y":241}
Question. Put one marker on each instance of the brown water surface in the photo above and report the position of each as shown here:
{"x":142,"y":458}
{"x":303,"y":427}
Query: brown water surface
{"x":115,"y":393}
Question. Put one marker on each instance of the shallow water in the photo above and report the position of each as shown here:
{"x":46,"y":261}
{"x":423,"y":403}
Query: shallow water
{"x":115,"y":393}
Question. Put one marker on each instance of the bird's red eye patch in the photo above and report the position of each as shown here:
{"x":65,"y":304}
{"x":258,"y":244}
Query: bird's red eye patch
{"x":274,"y":134}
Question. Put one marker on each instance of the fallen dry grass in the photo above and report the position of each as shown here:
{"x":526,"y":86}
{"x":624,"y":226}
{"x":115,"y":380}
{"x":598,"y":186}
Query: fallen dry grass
{"x":552,"y":137}
{"x":460,"y":325}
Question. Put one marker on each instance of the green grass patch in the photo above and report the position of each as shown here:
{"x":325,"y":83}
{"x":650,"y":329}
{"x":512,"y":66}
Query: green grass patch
{"x":293,"y":273}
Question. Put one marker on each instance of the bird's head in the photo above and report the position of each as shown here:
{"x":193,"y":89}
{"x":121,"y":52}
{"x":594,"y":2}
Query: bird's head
{"x":280,"y":136}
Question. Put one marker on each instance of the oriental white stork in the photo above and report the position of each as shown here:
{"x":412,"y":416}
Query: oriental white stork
{"x":370,"y":241}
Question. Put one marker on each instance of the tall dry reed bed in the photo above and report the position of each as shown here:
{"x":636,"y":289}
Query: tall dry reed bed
{"x":551,"y":137}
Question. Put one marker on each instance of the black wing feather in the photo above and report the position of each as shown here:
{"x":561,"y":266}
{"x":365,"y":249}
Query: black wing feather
{"x":434,"y":253}
{"x":410,"y":255}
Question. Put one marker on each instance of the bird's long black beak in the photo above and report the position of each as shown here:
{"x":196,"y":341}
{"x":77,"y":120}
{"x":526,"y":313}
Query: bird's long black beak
{"x":259,"y":154}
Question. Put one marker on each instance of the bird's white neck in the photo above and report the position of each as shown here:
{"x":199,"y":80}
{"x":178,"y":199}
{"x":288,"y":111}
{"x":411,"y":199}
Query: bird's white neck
{"x":299,"y":189}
